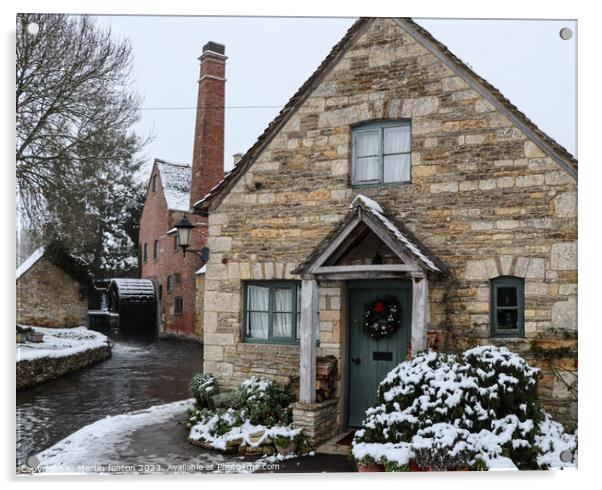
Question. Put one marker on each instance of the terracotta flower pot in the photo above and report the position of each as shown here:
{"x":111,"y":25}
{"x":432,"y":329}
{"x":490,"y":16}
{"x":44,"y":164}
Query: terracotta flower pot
{"x":413,"y":466}
{"x":369,"y":468}
{"x":290,"y":448}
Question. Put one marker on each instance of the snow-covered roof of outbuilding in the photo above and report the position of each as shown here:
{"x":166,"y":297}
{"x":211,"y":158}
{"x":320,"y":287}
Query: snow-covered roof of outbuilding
{"x":30,"y":261}
{"x":176,"y":179}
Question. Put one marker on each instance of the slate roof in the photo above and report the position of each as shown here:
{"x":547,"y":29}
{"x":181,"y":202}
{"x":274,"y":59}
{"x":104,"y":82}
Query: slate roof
{"x":176,"y":180}
{"x":422,"y":254}
{"x":552,"y":147}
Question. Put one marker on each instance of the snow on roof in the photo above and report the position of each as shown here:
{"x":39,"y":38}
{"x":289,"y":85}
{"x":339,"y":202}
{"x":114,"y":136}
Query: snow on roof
{"x":376,"y":209}
{"x":141,"y":289}
{"x":30,"y":261}
{"x":176,"y":179}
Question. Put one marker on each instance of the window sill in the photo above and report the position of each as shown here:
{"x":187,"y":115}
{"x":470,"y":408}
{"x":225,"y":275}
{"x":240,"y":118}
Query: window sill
{"x":388,"y":184}
{"x":275,"y":342}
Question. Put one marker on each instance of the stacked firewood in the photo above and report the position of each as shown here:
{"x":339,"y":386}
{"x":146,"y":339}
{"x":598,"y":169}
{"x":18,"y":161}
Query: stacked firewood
{"x":326,"y":377}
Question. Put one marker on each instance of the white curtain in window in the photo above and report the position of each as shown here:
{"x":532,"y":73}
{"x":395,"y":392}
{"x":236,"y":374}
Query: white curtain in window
{"x":397,"y":139}
{"x":397,"y":168}
{"x":282,"y":325}
{"x":367,"y":169}
{"x":367,"y":143}
{"x":257,"y":306}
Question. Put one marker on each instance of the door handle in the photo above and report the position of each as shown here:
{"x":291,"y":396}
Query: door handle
{"x":356,"y":360}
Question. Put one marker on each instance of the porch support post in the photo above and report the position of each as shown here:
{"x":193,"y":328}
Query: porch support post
{"x":419,"y":312}
{"x":309,"y":331}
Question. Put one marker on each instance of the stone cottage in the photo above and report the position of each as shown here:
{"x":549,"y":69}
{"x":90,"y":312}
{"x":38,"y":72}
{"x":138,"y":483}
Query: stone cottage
{"x":395,"y":176}
{"x":172,"y":190}
{"x":47,"y":296}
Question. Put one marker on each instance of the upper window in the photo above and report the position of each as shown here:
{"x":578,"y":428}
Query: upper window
{"x":156,"y":249}
{"x":169,"y":284}
{"x":272,"y":311}
{"x":145,"y":252}
{"x":507,"y":307}
{"x":155,"y":178}
{"x":381,"y":153}
{"x":176,"y":242}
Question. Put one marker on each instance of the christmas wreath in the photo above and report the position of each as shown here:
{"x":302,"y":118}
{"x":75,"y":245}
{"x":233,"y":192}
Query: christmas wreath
{"x":382,"y":317}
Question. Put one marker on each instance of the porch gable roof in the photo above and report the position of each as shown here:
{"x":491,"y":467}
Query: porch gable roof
{"x":396,"y":236}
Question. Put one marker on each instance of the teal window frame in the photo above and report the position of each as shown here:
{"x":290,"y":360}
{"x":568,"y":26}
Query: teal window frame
{"x":156,"y":249}
{"x":295,"y":287}
{"x":379,"y":126}
{"x":170,"y":281}
{"x":145,"y":252}
{"x":155,"y":182}
{"x":519,"y":284}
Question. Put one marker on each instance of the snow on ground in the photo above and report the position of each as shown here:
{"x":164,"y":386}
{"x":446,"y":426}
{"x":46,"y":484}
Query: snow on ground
{"x":61,"y":342}
{"x":97,"y":443}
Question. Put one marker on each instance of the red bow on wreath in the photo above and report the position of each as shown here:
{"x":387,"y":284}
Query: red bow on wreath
{"x":379,"y":307}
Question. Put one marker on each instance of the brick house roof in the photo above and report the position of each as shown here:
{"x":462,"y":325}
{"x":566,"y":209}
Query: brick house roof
{"x":176,"y":179}
{"x":551,"y":147}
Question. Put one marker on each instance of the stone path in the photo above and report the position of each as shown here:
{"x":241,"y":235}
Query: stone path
{"x":162,"y":448}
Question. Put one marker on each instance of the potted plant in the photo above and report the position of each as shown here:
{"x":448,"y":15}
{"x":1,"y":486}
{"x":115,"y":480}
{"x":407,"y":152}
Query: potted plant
{"x":285,"y":444}
{"x":367,"y":464}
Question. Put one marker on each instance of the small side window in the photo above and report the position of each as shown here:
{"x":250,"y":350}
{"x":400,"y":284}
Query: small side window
{"x":156,"y":249}
{"x":169,"y":284}
{"x":145,"y":252}
{"x":155,"y":179}
{"x":178,"y":306}
{"x":507,"y":307}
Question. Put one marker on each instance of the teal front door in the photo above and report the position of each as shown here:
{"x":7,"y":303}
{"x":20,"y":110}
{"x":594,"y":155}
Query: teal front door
{"x":370,"y":360}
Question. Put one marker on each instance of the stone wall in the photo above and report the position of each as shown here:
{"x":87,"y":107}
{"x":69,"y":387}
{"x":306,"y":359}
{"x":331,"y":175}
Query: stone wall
{"x":48,"y":297}
{"x":483,"y":197}
{"x":319,"y":421}
{"x":37,"y":371}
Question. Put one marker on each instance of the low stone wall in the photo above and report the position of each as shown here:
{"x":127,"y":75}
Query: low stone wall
{"x":37,"y":371}
{"x":318,"y":420}
{"x":238,"y":445}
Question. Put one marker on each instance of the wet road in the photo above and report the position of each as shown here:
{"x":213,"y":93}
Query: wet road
{"x":140,"y":374}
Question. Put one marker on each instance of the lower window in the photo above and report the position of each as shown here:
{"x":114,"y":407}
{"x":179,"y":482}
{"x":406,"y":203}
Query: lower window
{"x":178,"y":306}
{"x":272,"y":311}
{"x":507,"y":307}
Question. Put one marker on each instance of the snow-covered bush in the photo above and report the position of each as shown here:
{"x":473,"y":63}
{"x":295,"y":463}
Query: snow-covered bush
{"x":203,"y":388}
{"x":263,"y":402}
{"x":259,"y":413}
{"x":489,"y":393}
{"x":443,"y":447}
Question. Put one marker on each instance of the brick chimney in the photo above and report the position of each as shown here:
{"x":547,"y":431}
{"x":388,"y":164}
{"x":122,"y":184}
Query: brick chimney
{"x":208,"y":150}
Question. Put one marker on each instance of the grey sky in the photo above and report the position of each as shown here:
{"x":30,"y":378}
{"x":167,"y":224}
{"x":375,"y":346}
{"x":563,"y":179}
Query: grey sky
{"x":269,"y":58}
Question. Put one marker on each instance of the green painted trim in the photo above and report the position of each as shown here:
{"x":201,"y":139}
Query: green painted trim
{"x":380,"y":126}
{"x":295,"y":286}
{"x":504,"y":281}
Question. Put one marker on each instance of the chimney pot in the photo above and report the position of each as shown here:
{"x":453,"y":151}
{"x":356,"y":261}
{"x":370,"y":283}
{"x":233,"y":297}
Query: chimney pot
{"x":215,"y":48}
{"x":236,"y":158}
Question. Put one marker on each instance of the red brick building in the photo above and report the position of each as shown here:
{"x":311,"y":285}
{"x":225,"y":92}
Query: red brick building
{"x":173,"y":188}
